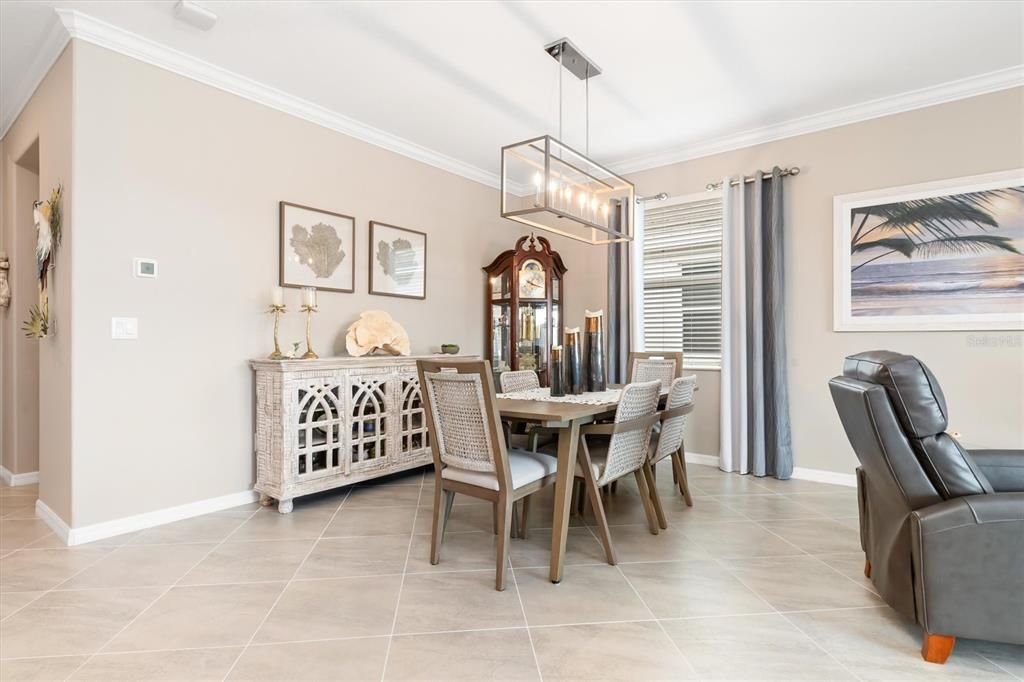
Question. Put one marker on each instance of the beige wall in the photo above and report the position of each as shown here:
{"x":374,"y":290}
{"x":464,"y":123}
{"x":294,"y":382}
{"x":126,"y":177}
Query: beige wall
{"x":984,"y":383}
{"x":46,"y":118}
{"x":20,"y":355}
{"x":191,"y":176}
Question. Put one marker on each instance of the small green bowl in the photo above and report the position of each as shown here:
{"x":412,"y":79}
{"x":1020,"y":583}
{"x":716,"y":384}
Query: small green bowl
{"x":450,"y":348}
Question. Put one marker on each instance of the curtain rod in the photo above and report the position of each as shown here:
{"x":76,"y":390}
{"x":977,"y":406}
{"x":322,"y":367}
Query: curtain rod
{"x":795,"y":170}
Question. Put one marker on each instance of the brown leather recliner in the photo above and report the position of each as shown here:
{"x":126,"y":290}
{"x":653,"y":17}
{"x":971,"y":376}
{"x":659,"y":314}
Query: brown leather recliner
{"x":942,"y":528}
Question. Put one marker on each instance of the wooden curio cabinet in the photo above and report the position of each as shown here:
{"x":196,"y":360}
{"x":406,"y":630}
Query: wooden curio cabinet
{"x":525,"y":291}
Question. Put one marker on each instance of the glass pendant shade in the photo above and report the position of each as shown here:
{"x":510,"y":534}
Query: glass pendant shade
{"x":548,"y":185}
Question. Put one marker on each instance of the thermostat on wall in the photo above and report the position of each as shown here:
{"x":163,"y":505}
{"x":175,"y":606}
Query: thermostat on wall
{"x":145,"y":267}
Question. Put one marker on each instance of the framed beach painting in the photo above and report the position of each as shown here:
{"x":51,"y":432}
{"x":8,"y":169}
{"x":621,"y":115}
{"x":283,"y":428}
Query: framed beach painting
{"x":316,"y":248}
{"x":945,"y":255}
{"x":398,"y":261}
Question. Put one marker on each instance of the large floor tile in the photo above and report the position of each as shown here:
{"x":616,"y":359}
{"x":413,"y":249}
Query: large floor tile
{"x":464,"y":517}
{"x":609,"y":651}
{"x":765,"y":647}
{"x":43,"y":669}
{"x":880,"y":644}
{"x":245,"y":562}
{"x":432,"y":602}
{"x":372,"y":521}
{"x":18,"y":507}
{"x":1009,"y":657}
{"x":832,"y":505}
{"x":383,"y":496}
{"x":587,"y":594}
{"x":795,"y":485}
{"x":18,"y":533}
{"x":207,"y":528}
{"x":800,"y":583}
{"x":687,"y":589}
{"x":850,"y":564}
{"x":817,"y":536}
{"x":199,"y":616}
{"x":729,"y":485}
{"x":469,"y":656}
{"x":13,"y":601}
{"x":635,"y":543}
{"x":704,"y":510}
{"x":67,"y":623}
{"x":581,"y":547}
{"x":459,"y":552}
{"x":31,"y":490}
{"x":139,"y":566}
{"x":336,"y":608}
{"x":347,"y":659}
{"x":495,"y":654}
{"x":169,"y":666}
{"x":742,"y":539}
{"x":268,"y":524}
{"x":347,"y":557}
{"x":770,"y":507}
{"x":44,"y":569}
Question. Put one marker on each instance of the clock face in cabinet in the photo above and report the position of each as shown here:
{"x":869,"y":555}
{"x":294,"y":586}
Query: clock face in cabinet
{"x":532,"y":280}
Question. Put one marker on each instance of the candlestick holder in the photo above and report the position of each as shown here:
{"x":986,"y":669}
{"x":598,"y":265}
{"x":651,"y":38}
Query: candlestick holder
{"x":309,"y":310}
{"x":277,"y":311}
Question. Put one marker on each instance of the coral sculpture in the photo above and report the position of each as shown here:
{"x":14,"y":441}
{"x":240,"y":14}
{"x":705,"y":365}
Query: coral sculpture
{"x":376,"y":330}
{"x":319,"y":248}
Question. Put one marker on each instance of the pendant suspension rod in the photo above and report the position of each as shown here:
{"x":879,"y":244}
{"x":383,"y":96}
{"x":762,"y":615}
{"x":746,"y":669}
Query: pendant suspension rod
{"x":711,"y":186}
{"x":586,"y":81}
{"x":560,"y":72}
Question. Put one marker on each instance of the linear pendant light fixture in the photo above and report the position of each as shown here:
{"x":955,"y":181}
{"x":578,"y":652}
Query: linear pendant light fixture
{"x":550,"y":186}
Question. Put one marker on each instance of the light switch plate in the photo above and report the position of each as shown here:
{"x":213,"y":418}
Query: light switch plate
{"x":124,"y":327}
{"x":145,"y":267}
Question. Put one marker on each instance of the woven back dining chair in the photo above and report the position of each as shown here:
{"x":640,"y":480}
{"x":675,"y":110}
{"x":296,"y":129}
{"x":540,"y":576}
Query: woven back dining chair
{"x":610,"y":451}
{"x":518,"y":380}
{"x":664,"y":367}
{"x":669,"y":442}
{"x":470,"y":456}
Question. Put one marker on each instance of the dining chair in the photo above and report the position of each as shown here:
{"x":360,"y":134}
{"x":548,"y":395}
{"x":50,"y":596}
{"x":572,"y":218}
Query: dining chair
{"x":663,"y":366}
{"x":609,"y":451}
{"x":512,"y":381}
{"x":668,"y":442}
{"x":518,"y":380}
{"x":470,"y":456}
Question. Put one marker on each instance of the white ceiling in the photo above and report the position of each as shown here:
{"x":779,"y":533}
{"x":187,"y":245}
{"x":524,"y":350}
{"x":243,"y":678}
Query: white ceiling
{"x":462,"y":79}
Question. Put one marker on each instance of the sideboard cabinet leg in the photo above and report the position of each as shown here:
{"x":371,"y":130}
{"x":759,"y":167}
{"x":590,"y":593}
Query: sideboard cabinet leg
{"x":266,"y":500}
{"x":284,"y":507}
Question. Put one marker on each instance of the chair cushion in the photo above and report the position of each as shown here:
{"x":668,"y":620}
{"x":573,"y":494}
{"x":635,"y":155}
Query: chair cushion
{"x":525,"y":468}
{"x":913,"y":390}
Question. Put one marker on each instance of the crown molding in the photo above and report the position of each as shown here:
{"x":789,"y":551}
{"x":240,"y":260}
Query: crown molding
{"x":89,"y":29}
{"x":973,"y":86}
{"x":25,"y":84}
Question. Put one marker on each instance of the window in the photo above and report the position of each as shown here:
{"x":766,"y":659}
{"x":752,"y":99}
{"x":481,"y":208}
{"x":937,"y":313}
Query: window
{"x":682,"y":279}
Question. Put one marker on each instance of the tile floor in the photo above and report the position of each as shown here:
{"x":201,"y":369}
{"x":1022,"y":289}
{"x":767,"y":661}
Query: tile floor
{"x":761,"y":579}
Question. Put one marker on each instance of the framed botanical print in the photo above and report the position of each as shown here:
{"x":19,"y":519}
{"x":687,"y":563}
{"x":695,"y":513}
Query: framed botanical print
{"x":945,"y":255}
{"x":316,"y":248}
{"x":398,"y":261}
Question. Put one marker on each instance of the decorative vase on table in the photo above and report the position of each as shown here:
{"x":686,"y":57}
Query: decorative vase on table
{"x":557,"y":372}
{"x":573,"y":362}
{"x":593,"y":350}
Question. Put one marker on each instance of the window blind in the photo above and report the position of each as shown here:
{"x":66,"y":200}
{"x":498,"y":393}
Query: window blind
{"x":682,"y":273}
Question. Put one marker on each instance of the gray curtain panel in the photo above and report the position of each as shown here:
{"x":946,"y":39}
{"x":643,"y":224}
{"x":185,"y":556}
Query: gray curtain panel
{"x":755,"y":429}
{"x":618,"y":304}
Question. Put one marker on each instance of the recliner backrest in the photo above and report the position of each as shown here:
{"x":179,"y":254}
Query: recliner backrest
{"x":917,"y":401}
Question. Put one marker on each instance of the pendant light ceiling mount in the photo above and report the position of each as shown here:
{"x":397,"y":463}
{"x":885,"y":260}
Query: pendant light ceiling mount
{"x":550,"y":186}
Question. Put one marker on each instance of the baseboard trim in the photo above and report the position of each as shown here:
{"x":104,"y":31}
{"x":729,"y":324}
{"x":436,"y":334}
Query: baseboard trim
{"x":129,"y":524}
{"x":12,"y":479}
{"x":801,"y":473}
{"x":55,"y":522}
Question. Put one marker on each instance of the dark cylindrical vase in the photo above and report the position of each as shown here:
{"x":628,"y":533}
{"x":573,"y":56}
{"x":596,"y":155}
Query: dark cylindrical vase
{"x":557,"y":372}
{"x":573,"y":363}
{"x":593,"y":340}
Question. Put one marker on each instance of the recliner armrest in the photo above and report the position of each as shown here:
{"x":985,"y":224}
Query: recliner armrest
{"x":967,"y":554}
{"x":1004,"y":469}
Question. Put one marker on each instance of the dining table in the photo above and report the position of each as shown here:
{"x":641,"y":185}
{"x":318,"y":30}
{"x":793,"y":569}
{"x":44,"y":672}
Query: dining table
{"x":566,"y":418}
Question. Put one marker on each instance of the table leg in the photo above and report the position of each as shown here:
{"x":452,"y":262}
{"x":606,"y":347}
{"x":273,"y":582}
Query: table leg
{"x":568,"y":438}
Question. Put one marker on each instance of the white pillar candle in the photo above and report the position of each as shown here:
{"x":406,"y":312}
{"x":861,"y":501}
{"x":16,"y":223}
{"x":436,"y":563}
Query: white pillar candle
{"x":309,"y":297}
{"x":277,"y":296}
{"x":538,"y":187}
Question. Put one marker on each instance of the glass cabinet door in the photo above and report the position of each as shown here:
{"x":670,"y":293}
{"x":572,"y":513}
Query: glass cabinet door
{"x":501,"y":341}
{"x":533,"y":342}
